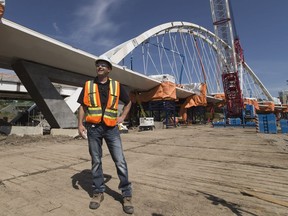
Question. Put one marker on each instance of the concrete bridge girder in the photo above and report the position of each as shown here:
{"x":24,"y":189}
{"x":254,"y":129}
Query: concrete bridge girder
{"x":38,"y":79}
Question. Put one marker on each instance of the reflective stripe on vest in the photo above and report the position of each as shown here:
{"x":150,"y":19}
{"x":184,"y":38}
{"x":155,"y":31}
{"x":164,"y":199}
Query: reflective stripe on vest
{"x":93,"y":103}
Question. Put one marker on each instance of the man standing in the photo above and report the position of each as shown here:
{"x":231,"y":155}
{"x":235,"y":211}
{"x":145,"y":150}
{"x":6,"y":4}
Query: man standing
{"x":98,"y":118}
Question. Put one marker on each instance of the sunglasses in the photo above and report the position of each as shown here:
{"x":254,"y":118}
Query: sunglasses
{"x":102,"y":65}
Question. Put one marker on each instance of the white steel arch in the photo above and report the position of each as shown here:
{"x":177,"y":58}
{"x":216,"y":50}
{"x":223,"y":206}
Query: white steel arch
{"x":118,"y":53}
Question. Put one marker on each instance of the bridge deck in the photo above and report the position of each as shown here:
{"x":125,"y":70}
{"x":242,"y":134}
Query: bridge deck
{"x":19,"y":42}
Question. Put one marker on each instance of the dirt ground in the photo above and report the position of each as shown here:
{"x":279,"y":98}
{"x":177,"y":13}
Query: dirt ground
{"x":192,"y":170}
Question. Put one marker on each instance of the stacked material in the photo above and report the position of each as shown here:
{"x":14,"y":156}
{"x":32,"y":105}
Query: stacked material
{"x":284,"y":126}
{"x":266,"y":123}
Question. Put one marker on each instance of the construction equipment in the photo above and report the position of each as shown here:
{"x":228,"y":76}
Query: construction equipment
{"x":230,"y":57}
{"x":145,"y":123}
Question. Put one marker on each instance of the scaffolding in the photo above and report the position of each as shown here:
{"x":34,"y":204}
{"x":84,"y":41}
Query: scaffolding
{"x":162,"y":111}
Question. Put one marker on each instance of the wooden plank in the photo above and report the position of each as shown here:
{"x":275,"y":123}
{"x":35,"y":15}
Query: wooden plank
{"x":264,"y":197}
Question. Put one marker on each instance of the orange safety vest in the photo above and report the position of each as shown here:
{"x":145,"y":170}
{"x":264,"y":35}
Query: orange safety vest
{"x":93,"y":103}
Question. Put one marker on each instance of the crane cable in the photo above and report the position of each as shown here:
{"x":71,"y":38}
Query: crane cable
{"x":200,"y":59}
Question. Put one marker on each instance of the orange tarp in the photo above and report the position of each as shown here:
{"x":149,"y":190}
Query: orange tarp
{"x":2,"y":9}
{"x":269,"y":106}
{"x":252,"y":102}
{"x":220,"y":96}
{"x":285,"y":106}
{"x":246,"y":101}
{"x":165,"y":91}
{"x":194,"y":100}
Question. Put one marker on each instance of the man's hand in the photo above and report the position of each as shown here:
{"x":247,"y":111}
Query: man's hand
{"x":126,"y":109}
{"x":82,"y":131}
{"x":120,"y":119}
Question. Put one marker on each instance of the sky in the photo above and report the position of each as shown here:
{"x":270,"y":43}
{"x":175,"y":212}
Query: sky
{"x":96,"y":26}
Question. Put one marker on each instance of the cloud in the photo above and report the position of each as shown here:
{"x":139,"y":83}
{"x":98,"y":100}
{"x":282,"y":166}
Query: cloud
{"x":93,"y":27}
{"x":55,"y":26}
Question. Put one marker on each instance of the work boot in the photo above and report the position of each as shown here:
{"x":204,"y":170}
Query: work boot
{"x":127,"y":205}
{"x":96,"y":200}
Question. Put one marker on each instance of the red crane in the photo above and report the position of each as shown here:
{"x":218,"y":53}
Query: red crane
{"x":230,"y":56}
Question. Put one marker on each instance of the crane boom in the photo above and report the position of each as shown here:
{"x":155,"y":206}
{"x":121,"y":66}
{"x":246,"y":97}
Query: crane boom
{"x":228,"y":57}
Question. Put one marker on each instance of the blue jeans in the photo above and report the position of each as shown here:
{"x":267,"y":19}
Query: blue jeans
{"x":96,"y":133}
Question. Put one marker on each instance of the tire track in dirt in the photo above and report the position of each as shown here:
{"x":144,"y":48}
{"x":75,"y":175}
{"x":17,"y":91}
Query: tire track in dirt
{"x":185,"y":166}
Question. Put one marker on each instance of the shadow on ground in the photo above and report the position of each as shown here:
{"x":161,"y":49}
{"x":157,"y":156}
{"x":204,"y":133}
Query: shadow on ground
{"x":83,"y":179}
{"x":235,"y":208}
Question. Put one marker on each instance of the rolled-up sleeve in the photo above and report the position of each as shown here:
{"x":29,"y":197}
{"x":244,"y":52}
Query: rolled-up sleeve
{"x":124,"y":95}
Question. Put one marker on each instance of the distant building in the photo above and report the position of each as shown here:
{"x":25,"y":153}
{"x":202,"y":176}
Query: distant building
{"x":283,"y":96}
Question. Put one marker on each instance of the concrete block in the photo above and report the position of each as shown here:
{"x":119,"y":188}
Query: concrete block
{"x":26,"y":130}
{"x":64,"y":132}
{"x":5,"y":129}
{"x":158,"y":125}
